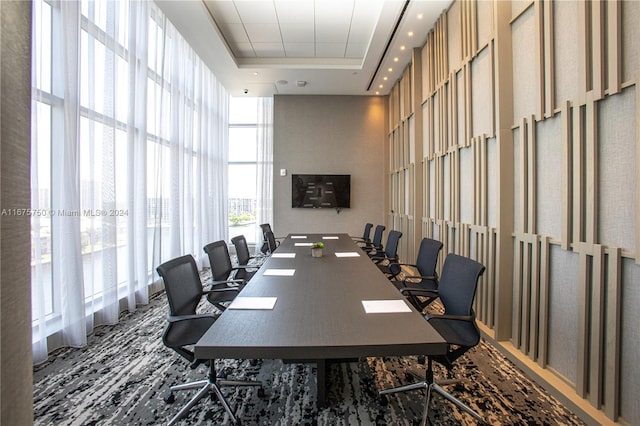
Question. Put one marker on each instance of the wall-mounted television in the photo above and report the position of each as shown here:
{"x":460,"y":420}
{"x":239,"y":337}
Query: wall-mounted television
{"x":321,"y":191}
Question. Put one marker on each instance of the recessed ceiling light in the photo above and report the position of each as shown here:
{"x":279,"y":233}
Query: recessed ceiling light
{"x":420,"y":15}
{"x":402,"y":47}
{"x":385,"y":78}
{"x":381,"y":86}
{"x":395,"y":59}
{"x":390,"y":69}
{"x":410,"y":33}
{"x":282,"y":82}
{"x":377,"y":93}
{"x":255,"y":73}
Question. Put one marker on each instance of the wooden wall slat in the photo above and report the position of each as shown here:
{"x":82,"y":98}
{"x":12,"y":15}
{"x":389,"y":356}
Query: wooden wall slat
{"x":566,"y":210}
{"x":549,"y":106}
{"x":597,"y":317}
{"x":583,"y":303}
{"x":597,"y":48}
{"x":613,"y":331}
{"x":530,"y":182}
{"x":614,"y":46}
{"x":543,"y":338}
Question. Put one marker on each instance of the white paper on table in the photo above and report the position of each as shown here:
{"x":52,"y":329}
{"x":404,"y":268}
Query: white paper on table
{"x":303,"y":244}
{"x":298,"y":237}
{"x":385,"y":306}
{"x":242,"y":302}
{"x":331,"y":238}
{"x":284,"y":255}
{"x":348,"y":254}
{"x":279,"y":272}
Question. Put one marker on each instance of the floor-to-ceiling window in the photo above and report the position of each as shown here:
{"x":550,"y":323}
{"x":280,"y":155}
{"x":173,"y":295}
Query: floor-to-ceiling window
{"x":129,"y":161}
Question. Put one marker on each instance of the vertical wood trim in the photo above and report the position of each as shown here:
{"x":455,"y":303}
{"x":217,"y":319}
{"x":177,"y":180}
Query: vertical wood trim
{"x":535,"y":298}
{"x":565,"y":219}
{"x":493,"y":89}
{"x":483,"y":180}
{"x":612,"y":356}
{"x":526,"y":296}
{"x":490,"y":266}
{"x":578,"y":180}
{"x":582,"y":348}
{"x":591,"y":164}
{"x":543,"y":330}
{"x":637,"y":170}
{"x":597,"y":48}
{"x":473,"y":20}
{"x":517,"y":290}
{"x":468,"y":105}
{"x":523,"y":175}
{"x":614,"y":48}
{"x":584,"y":51}
{"x":549,"y":59}
{"x":597,"y":318}
{"x":531,"y":176}
{"x":539,"y":56}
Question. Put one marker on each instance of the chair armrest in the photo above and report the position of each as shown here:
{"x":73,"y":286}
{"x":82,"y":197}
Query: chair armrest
{"x":214,"y":283}
{"x":420,"y":277}
{"x":178,"y":318}
{"x":466,"y":318}
{"x":419,"y":292}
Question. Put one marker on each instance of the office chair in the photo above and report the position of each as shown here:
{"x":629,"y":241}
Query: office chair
{"x":366,"y":235}
{"x":185,"y":327}
{"x":376,"y":242}
{"x":264,"y":249}
{"x":390,"y":254}
{"x":271,"y":242}
{"x":222,"y":273}
{"x":427,"y":277}
{"x":245,"y":258}
{"x":457,"y":326}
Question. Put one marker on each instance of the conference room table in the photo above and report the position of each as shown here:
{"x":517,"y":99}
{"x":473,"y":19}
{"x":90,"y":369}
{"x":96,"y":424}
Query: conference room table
{"x":312,"y":309}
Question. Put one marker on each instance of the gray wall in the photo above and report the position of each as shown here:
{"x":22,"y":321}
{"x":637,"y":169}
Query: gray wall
{"x":16,"y":389}
{"x":330,"y":135}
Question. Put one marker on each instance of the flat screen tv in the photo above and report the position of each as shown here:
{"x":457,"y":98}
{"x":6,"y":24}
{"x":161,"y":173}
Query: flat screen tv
{"x":321,"y":191}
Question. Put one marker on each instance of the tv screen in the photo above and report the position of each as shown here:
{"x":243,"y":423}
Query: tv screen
{"x":321,"y":191}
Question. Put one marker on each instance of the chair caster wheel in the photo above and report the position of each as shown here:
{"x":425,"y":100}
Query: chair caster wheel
{"x":261,"y":393}
{"x":422,"y":359}
{"x":169,"y":397}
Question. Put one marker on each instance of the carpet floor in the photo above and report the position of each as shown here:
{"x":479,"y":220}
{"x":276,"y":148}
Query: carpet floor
{"x":121,"y":376}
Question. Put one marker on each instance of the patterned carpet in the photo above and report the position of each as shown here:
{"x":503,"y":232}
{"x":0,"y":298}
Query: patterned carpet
{"x":121,"y":376}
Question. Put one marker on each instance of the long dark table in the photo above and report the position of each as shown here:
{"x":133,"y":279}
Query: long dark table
{"x":318,"y":315}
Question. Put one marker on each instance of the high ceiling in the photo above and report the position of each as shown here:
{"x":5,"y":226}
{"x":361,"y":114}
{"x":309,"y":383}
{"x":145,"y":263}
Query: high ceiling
{"x":320,"y":47}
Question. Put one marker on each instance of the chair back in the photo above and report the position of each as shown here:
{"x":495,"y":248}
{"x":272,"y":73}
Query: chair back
{"x":271,"y":241}
{"x":366,"y":235}
{"x":427,"y":259}
{"x":377,"y":235}
{"x":264,"y":228}
{"x":219,"y":259}
{"x":391,"y":249}
{"x":458,"y":284}
{"x":242,"y":249}
{"x":182,"y":284}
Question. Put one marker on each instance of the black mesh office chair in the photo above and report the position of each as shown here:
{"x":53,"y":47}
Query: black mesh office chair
{"x":376,"y":241}
{"x":457,"y":325}
{"x":265,"y":248}
{"x":222,"y":273}
{"x":271,"y":242}
{"x":185,"y":327}
{"x":251,"y":263}
{"x":366,"y":235}
{"x":427,"y":276}
{"x":390,"y":254}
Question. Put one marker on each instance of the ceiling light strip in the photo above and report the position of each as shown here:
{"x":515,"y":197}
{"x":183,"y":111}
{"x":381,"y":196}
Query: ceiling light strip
{"x":386,"y":48}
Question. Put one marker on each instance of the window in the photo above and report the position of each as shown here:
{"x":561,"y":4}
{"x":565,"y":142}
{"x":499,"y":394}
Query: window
{"x":243,"y":137}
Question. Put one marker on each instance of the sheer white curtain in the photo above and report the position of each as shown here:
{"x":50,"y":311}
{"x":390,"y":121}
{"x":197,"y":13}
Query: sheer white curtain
{"x":129,"y":155}
{"x":264,"y":202}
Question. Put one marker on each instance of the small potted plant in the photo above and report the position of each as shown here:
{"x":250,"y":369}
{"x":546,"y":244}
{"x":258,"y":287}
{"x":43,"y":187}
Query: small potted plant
{"x":316,"y":249}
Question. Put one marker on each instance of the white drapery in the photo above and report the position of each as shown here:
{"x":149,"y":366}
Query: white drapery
{"x":129,"y":162}
{"x":264,"y":174}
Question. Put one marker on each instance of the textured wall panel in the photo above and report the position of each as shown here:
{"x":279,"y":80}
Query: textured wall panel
{"x":481,"y":94}
{"x":548,"y":146}
{"x":432,"y":188}
{"x":485,"y":22}
{"x":563,"y":311}
{"x":460,"y":109}
{"x":630,"y":377}
{"x":566,"y":48}
{"x":453,"y":37}
{"x":446,"y":184}
{"x":517,"y":185}
{"x":525,"y":75}
{"x":617,"y":169}
{"x":492,"y":183}
{"x":466,"y":185}
{"x":630,"y":39}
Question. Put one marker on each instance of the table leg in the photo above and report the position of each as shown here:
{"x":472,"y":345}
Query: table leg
{"x":321,"y":382}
